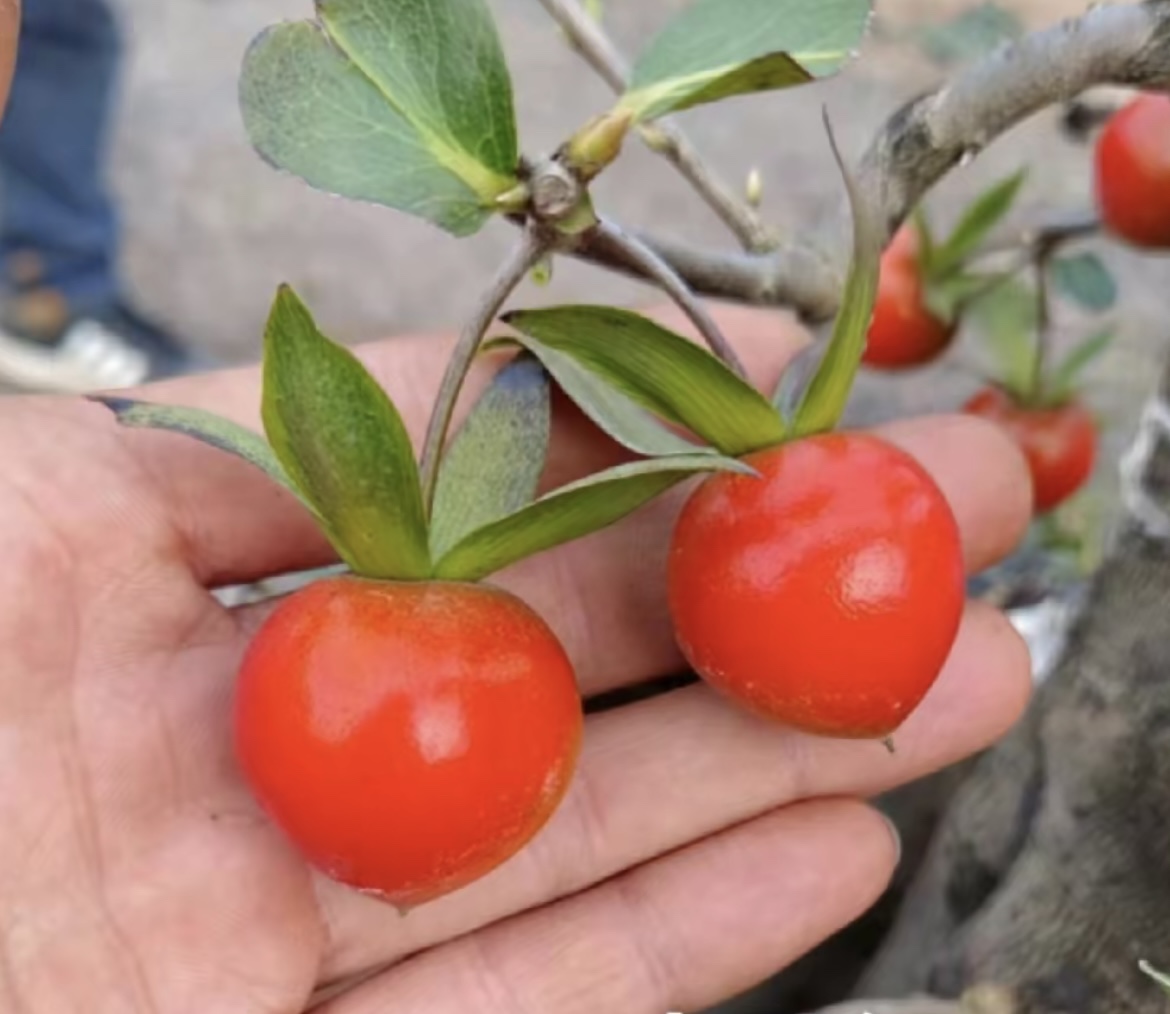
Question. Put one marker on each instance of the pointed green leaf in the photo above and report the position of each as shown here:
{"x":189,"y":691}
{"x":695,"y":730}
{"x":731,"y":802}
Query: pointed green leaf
{"x":717,"y":49}
{"x":1065,"y":377}
{"x":1006,"y":320}
{"x":571,"y":512}
{"x":610,"y":410}
{"x":1084,"y":279}
{"x":824,"y":401}
{"x":975,"y":224}
{"x":920,"y":223}
{"x":1160,"y":978}
{"x":660,"y":370}
{"x":797,"y":375}
{"x":206,"y":427}
{"x":947,"y":297}
{"x":494,"y":462}
{"x":342,"y":441}
{"x":400,"y":102}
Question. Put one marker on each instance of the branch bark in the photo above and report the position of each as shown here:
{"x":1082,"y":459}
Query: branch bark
{"x":925,"y":139}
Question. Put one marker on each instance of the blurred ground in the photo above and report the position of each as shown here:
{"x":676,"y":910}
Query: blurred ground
{"x":211,"y":230}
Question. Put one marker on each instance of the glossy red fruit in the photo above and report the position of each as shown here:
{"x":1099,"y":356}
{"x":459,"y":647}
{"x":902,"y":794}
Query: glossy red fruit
{"x":1132,"y":172}
{"x":903,"y":332}
{"x":408,"y":737}
{"x":1059,"y":443}
{"x":825,"y":593}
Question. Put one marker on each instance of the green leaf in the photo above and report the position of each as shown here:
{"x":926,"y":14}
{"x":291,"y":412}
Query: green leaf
{"x":947,"y":297}
{"x":342,"y":442}
{"x":206,"y":427}
{"x":570,"y":512}
{"x":660,"y":370}
{"x":609,"y":409}
{"x":717,"y":49}
{"x":1006,"y":320}
{"x":1065,"y":376}
{"x":828,"y":392}
{"x":1084,"y":279}
{"x":400,"y":102}
{"x":974,"y":33}
{"x":797,"y":375}
{"x":1160,"y":978}
{"x":980,"y":217}
{"x":920,"y":223}
{"x":494,"y":463}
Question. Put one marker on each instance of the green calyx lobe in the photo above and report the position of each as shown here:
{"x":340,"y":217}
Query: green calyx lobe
{"x":951,"y":285}
{"x":335,"y":439}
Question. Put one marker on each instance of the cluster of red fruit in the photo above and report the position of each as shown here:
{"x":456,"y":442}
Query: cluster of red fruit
{"x":1132,"y":182}
{"x":411,"y":736}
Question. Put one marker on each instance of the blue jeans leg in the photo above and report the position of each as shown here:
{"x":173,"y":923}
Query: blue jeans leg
{"x":54,"y":204}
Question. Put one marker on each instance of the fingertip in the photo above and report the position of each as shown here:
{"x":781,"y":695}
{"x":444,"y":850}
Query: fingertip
{"x":1009,"y":684}
{"x":983,"y":475}
{"x":983,"y":691}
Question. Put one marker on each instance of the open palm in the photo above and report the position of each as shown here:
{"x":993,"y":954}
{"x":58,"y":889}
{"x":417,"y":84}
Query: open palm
{"x":698,"y":851}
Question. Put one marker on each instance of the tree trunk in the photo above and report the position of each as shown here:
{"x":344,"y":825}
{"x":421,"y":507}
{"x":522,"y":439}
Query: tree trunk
{"x":1048,"y":877}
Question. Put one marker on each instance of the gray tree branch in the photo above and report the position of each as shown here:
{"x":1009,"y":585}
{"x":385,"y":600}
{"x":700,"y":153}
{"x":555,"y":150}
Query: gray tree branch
{"x":1118,"y":45}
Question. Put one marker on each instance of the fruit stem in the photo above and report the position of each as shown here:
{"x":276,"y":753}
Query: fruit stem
{"x":1040,"y":260}
{"x":512,"y":272}
{"x":641,"y":256}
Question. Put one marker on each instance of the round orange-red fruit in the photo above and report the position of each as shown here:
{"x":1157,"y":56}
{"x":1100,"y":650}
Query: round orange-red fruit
{"x":826,"y":593}
{"x":904,"y":332}
{"x":1059,"y":443}
{"x":407,"y":737}
{"x":1132,"y":172}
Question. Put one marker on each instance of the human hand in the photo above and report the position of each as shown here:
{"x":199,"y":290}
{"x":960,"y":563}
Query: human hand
{"x":698,"y":850}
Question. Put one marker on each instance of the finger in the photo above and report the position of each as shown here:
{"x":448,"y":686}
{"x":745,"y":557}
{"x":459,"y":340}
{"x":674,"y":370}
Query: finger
{"x":237,"y":528}
{"x":678,"y":934}
{"x":659,"y":774}
{"x":983,"y":474}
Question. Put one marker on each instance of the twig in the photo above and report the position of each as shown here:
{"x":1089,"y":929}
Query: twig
{"x":923,"y":141}
{"x":591,"y":41}
{"x":1053,"y":233}
{"x":795,"y":275}
{"x":636,"y":252}
{"x":1040,"y":260}
{"x":1043,"y":244}
{"x":671,"y":143}
{"x":520,"y":261}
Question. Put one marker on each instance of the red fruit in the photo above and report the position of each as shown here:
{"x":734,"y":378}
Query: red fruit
{"x":408,"y":737}
{"x":1133,"y":172}
{"x":825,"y":593}
{"x":1060,"y":443}
{"x":903,"y":331}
